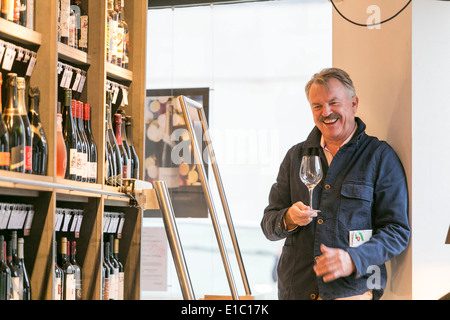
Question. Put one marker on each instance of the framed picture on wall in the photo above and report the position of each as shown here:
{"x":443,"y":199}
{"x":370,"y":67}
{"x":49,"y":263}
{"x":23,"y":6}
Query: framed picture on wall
{"x":168,"y":155}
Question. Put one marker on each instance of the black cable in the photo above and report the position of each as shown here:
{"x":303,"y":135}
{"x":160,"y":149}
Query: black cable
{"x":369,"y":25}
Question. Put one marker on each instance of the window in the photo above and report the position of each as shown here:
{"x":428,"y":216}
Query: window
{"x":256,"y":59}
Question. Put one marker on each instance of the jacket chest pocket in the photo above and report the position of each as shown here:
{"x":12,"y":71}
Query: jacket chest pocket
{"x":355,"y":210}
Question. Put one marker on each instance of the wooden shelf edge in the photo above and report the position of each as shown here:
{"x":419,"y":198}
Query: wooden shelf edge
{"x":15,"y":32}
{"x":118,"y":73}
{"x":73,"y":55}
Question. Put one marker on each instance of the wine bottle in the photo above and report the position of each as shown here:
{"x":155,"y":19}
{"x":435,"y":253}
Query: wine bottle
{"x":81,"y":25}
{"x":15,"y":279}
{"x":115,"y":265}
{"x":4,"y":137}
{"x":121,"y":283}
{"x":70,"y":137}
{"x":14,"y":261}
{"x":168,"y":171}
{"x":109,"y":293}
{"x":16,"y":10}
{"x":112,"y":140}
{"x":134,"y":156}
{"x":126,"y":168}
{"x":58,"y":284}
{"x":73,"y":32}
{"x":23,"y":13}
{"x":126,"y":37}
{"x":125,"y":145}
{"x":5,"y":273}
{"x":113,"y":26}
{"x":26,"y":124}
{"x":120,"y":34}
{"x":39,"y":145}
{"x":61,"y":153}
{"x":15,"y":126}
{"x":65,"y":20}
{"x":81,"y":148}
{"x":73,"y":261}
{"x":68,"y":272}
{"x":4,"y":9}
{"x":92,"y":145}
{"x":25,"y":285}
{"x":105,"y":280}
{"x":84,"y":142}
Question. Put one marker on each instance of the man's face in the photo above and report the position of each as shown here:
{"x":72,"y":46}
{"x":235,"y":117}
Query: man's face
{"x":333,"y":110}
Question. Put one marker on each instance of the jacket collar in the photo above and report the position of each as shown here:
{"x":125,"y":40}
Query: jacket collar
{"x":313,"y":140}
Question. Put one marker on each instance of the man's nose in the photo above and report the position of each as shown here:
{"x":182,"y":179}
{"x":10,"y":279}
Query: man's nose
{"x":326,"y":110}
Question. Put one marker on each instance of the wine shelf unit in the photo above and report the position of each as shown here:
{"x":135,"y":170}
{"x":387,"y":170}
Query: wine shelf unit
{"x":47,"y":193}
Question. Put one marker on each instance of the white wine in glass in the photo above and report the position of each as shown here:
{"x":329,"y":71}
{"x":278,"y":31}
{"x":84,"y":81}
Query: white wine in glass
{"x":311,"y":174}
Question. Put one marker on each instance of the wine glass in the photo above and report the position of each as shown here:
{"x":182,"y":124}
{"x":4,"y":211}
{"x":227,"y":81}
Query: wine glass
{"x":311,"y":174}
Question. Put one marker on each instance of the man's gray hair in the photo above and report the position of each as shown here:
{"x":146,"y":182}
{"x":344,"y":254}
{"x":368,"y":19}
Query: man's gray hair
{"x":326,"y":74}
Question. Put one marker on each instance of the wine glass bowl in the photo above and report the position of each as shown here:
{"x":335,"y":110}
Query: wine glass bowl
{"x":311,"y":174}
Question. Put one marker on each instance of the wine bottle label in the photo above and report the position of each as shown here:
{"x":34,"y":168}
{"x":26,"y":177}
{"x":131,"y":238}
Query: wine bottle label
{"x":28,"y":158}
{"x":84,"y":32}
{"x":16,"y":287}
{"x":17,"y":157}
{"x":170,"y":176}
{"x":125,"y":172}
{"x":65,"y":15}
{"x":84,"y":165}
{"x":106,"y":289}
{"x":73,"y":161}
{"x":92,"y":170}
{"x":121,"y":285}
{"x":70,"y":287}
{"x":57,"y":289}
{"x":5,"y":158}
{"x":79,"y":163}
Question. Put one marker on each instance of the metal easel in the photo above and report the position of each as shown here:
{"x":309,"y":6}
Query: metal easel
{"x":187,"y":104}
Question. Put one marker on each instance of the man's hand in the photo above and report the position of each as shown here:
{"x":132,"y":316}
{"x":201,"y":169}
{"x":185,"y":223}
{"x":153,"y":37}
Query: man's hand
{"x":299,"y":215}
{"x":333,"y":263}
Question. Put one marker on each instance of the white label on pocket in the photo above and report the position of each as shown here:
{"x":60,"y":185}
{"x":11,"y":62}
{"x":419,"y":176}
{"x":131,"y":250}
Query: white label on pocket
{"x":358,"y":237}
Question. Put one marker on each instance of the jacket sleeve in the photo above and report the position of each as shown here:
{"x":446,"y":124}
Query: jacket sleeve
{"x":280,"y":201}
{"x":391,"y":230}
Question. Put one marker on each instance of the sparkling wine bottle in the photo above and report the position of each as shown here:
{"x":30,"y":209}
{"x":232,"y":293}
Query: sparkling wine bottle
{"x":15,"y":126}
{"x":21,"y":101}
{"x":40,"y":146}
{"x":4,"y":137}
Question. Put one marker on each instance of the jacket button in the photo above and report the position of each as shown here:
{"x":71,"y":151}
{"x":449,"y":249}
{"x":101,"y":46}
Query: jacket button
{"x":312,"y":296}
{"x":319,"y":221}
{"x":327,"y":187}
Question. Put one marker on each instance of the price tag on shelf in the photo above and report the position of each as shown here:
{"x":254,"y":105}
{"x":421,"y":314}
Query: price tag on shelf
{"x":2,"y":50}
{"x":76,"y":83}
{"x":82,"y":82}
{"x":28,"y":222}
{"x":119,"y":230}
{"x":124,"y":97}
{"x":8,"y":60}
{"x":31,"y":65}
{"x":78,"y":226}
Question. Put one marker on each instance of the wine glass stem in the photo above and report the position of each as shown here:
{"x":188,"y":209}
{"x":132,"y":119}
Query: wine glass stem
{"x":311,"y":198}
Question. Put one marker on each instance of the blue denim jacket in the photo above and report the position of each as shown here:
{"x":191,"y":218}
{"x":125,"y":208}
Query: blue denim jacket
{"x":363,"y":188}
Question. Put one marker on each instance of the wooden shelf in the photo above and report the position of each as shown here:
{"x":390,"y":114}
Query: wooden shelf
{"x":118,"y":73}
{"x":43,"y":192}
{"x":20,"y":34}
{"x":73,"y":55}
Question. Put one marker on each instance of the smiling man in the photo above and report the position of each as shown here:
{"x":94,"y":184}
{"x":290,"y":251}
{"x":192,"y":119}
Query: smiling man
{"x":339,"y":251}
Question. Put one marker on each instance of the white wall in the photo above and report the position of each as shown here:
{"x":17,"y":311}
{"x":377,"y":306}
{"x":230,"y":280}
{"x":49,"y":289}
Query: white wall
{"x":379,"y":62}
{"x":430,"y":150}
